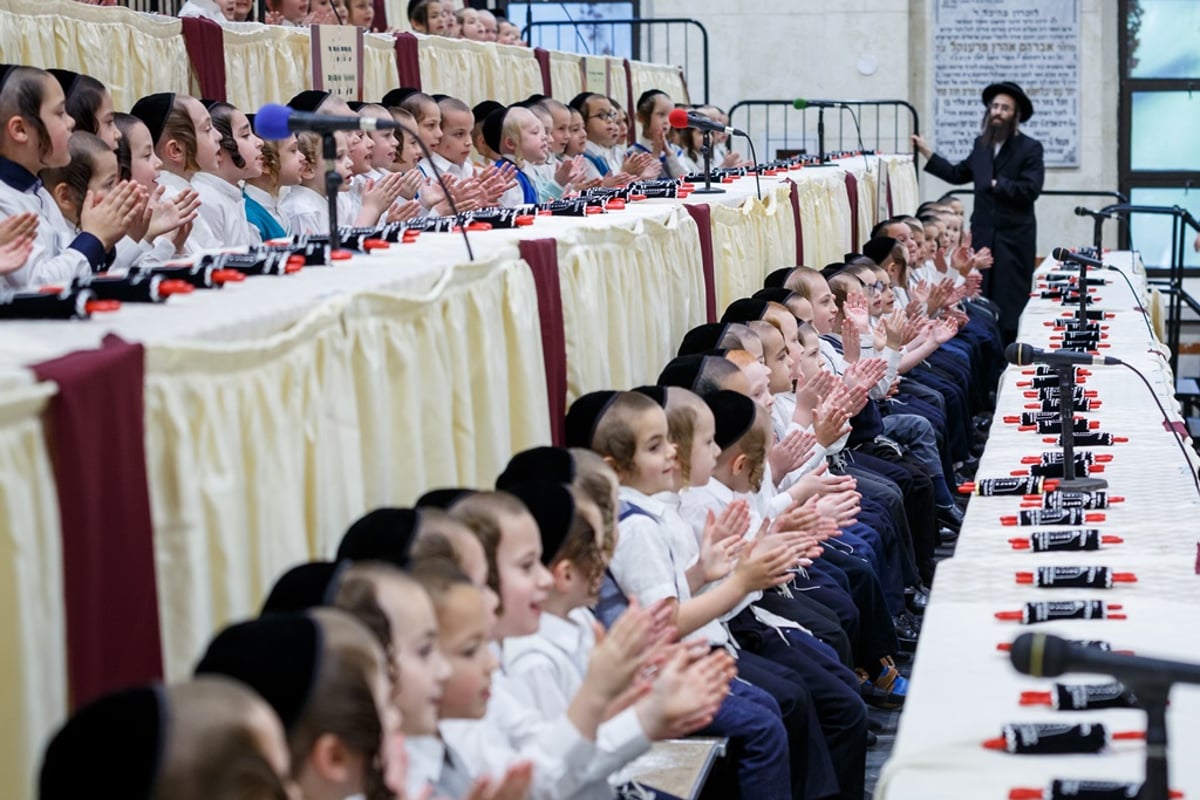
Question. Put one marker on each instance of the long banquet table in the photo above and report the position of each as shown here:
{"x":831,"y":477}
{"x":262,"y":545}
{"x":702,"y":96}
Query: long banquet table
{"x":963,"y":689}
{"x":278,"y":410}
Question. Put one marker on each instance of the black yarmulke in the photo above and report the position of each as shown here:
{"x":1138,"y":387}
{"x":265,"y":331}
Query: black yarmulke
{"x":555,"y":464}
{"x":553,"y":507}
{"x":278,"y":656}
{"x":5,"y":69}
{"x":773,"y":295}
{"x":355,"y":105}
{"x":682,"y":371}
{"x":309,"y":100}
{"x":848,"y":257}
{"x":395,"y":97}
{"x":747,"y":309}
{"x":831,"y":269}
{"x":443,"y":498}
{"x":384,"y":534}
{"x":879,"y":248}
{"x":302,"y":587}
{"x":493,"y":128}
{"x":66,"y":79}
{"x":776,"y":279}
{"x":112,"y":747}
{"x":734,"y":413}
{"x":153,"y":110}
{"x":656,"y":393}
{"x":584,"y":415}
{"x":481,"y":110}
{"x":701,"y":338}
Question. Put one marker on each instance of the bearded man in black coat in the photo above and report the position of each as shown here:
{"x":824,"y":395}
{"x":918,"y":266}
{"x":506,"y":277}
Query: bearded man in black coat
{"x":1007,"y":170}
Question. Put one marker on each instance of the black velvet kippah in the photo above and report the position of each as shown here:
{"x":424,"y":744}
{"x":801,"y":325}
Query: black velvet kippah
{"x":682,"y":371}
{"x":553,"y":507}
{"x":879,"y":248}
{"x":395,"y":97}
{"x":309,"y":100}
{"x":584,"y":416}
{"x":580,"y":100}
{"x":384,"y":534}
{"x":555,"y":464}
{"x":66,"y":79}
{"x":493,"y":128}
{"x":278,"y":656}
{"x":747,"y":309}
{"x":773,"y":295}
{"x":153,"y":110}
{"x":776,"y":279}
{"x":302,"y":587}
{"x":734,"y":413}
{"x":481,"y":110}
{"x":5,"y":69}
{"x":355,"y":105}
{"x":112,"y":747}
{"x":443,"y":498}
{"x":701,"y":338}
{"x":656,"y":393}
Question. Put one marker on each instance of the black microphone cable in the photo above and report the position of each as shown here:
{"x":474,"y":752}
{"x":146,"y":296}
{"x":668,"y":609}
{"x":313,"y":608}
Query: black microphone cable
{"x":1168,"y":424}
{"x":438,"y":175}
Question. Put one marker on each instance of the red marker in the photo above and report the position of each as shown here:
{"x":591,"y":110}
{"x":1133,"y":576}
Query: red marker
{"x":1034,"y":613}
{"x":101,"y":306}
{"x":1082,"y":790}
{"x":1074,"y":577}
{"x":1071,"y":540}
{"x":1052,"y":516}
{"x":341,"y":255}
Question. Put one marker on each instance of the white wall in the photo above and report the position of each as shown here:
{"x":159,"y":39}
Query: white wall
{"x":813,"y":48}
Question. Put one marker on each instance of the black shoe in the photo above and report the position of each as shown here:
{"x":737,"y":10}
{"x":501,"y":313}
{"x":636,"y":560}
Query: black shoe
{"x":947,"y":536}
{"x":950,"y":516}
{"x":905,"y":633}
{"x":917,"y":602}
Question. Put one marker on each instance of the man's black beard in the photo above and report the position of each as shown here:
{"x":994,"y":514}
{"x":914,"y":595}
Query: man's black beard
{"x":993,"y":135}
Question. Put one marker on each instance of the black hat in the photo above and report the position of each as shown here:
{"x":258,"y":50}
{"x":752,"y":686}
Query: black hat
{"x":683,"y":371}
{"x":384,"y":534}
{"x":153,"y":110}
{"x":831,"y":269}
{"x":112,"y":747}
{"x":66,"y":79}
{"x":278,"y":656}
{"x":734,"y":413}
{"x":848,"y":257}
{"x":533,"y":99}
{"x":443,"y":498}
{"x":437,"y":98}
{"x":777,"y":278}
{"x":1024,"y":106}
{"x":395,"y":97}
{"x":701,"y":338}
{"x":355,"y":105}
{"x":304,"y":586}
{"x":554,"y":464}
{"x":584,"y":416}
{"x":553,"y":507}
{"x":309,"y":100}
{"x":481,"y":110}
{"x":646,"y":95}
{"x":208,"y":103}
{"x":5,"y":69}
{"x":580,"y":100}
{"x":747,"y":309}
{"x":879,"y":248}
{"x":656,"y":393}
{"x":493,"y":128}
{"x":773,"y":295}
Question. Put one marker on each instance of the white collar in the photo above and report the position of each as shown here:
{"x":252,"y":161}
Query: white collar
{"x":261,"y":196}
{"x":642,"y":501}
{"x":173,"y":182}
{"x":218,"y":184}
{"x":426,"y":759}
{"x":565,"y":634}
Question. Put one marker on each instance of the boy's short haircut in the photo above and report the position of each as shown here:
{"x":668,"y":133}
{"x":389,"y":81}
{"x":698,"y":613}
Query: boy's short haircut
{"x":583,"y":546}
{"x":453,"y":104}
{"x":614,"y":437}
{"x":549,"y":104}
{"x":775,"y":314}
{"x":802,"y":280}
{"x":21,"y":96}
{"x":595,"y":479}
{"x":736,"y":336}
{"x":438,"y":577}
{"x":415,"y":103}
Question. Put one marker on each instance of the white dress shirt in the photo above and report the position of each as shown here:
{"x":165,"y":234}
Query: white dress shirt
{"x":223,"y":210}
{"x":202,"y":236}
{"x":445,"y":166}
{"x":270,"y":203}
{"x":563,"y":761}
{"x":205,"y":9}
{"x":650,"y":563}
{"x":307,"y":212}
{"x":432,"y":764}
{"x":59,"y":254}
{"x":548,"y":669}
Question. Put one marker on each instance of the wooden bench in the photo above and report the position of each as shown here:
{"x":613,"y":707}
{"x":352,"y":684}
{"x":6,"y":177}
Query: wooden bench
{"x":678,"y":766}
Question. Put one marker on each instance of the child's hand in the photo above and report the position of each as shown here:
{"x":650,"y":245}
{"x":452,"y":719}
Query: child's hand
{"x":378,"y":198}
{"x":842,"y":508}
{"x":169,"y":216}
{"x":893,"y":328}
{"x":819,"y":386}
{"x":109,"y":217}
{"x":791,"y":453}
{"x":688,"y":690}
{"x":413,"y":182}
{"x":616,"y":658}
{"x":15,"y":252}
{"x":830,"y":424}
{"x":566,"y":170}
{"x":180,"y":236}
{"x":765,"y":563}
{"x":18,"y":226}
{"x":402,"y":211}
{"x":857,"y":309}
{"x":722,"y":540}
{"x":851,"y":340}
{"x":513,"y":786}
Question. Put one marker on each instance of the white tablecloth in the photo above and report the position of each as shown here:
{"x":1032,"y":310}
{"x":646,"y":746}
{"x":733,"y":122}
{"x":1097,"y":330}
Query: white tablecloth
{"x":963,"y":690}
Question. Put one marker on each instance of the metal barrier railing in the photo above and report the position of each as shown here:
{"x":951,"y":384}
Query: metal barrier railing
{"x":784,"y":130}
{"x":667,"y":40}
{"x":1123,"y":235}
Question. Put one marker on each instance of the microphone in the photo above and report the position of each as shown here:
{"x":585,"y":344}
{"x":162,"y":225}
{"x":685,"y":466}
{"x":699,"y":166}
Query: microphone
{"x":1080,"y":211}
{"x":682,"y":118}
{"x":1044,"y":656}
{"x":800,"y":104}
{"x":1024,"y":354}
{"x":279,"y":122}
{"x":1064,"y":255}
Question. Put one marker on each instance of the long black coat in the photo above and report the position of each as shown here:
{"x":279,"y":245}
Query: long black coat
{"x":1003,"y":218}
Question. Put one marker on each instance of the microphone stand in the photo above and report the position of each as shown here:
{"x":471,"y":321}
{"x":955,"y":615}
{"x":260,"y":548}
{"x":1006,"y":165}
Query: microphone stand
{"x":824,"y":160}
{"x":1066,"y":413}
{"x":706,"y":148}
{"x":333,"y":182}
{"x":1152,"y":695}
